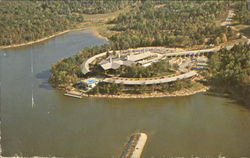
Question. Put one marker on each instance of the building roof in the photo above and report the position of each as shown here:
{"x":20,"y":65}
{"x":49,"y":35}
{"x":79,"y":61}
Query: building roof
{"x":128,"y":62}
{"x":115,"y":63}
{"x":140,"y":56}
{"x":109,"y":65}
{"x":202,"y":59}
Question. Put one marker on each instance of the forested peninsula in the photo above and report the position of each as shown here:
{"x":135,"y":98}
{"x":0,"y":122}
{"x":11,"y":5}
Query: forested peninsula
{"x":173,"y":24}
{"x":179,"y":25}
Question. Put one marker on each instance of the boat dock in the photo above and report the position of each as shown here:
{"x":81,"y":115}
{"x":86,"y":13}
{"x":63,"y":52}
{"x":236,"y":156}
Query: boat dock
{"x":135,"y":146}
{"x":74,"y":94}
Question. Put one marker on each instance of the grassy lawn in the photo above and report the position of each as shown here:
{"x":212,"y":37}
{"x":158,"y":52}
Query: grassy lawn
{"x":165,"y":73}
{"x":98,"y":22}
{"x":197,"y":86}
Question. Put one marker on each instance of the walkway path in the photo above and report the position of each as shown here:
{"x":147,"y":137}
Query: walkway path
{"x":139,"y":146}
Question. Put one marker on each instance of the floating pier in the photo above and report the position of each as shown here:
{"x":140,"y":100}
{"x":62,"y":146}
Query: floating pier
{"x":135,"y":146}
{"x":74,"y":94}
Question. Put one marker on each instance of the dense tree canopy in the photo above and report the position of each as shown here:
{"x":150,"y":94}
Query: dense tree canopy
{"x":24,"y":21}
{"x":174,"y":24}
{"x":230,"y":70}
{"x":68,"y":70}
{"x":161,"y":68}
{"x":243,"y":13}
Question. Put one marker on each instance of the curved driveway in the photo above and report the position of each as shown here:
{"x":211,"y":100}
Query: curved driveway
{"x":148,"y":81}
{"x":85,"y":64}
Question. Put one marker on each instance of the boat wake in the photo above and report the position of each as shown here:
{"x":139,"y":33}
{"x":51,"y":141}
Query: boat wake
{"x":32,"y":99}
{"x":32,"y":85}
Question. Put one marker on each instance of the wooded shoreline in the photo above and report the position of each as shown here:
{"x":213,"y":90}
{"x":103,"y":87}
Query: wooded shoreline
{"x":87,"y":29}
{"x":180,"y":93}
{"x":36,"y":41}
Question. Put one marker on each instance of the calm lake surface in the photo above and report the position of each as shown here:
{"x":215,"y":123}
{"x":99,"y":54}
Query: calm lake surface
{"x":56,"y":125}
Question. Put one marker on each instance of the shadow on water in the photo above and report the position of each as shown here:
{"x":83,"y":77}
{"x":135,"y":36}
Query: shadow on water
{"x":231,"y":99}
{"x":44,"y":76}
{"x":217,"y":94}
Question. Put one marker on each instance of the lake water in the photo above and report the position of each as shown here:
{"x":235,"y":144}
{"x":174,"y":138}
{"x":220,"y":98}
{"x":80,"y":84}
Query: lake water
{"x":56,"y":125}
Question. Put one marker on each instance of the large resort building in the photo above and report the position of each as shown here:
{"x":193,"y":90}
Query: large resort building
{"x":101,"y":67}
{"x":115,"y":59}
{"x":188,"y":64}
